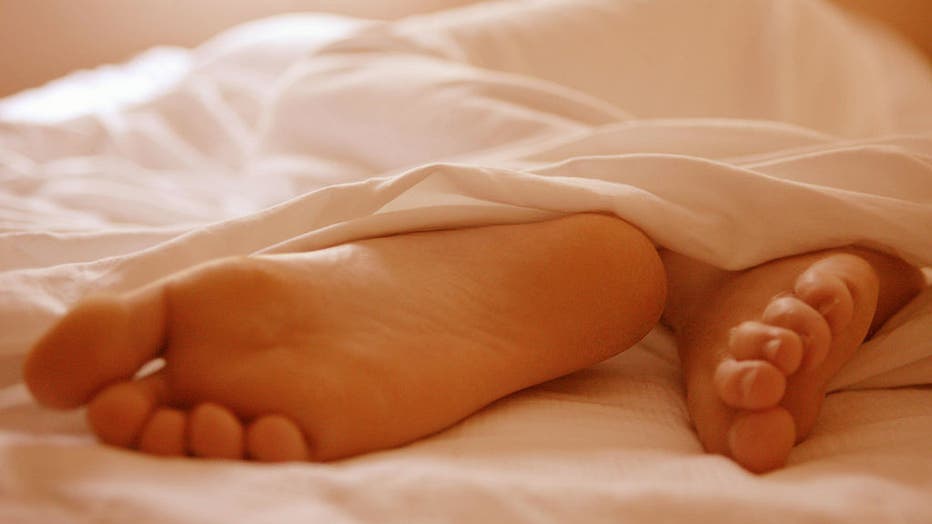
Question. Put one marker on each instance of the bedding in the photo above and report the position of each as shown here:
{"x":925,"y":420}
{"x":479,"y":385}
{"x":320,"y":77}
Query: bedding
{"x":731,"y":132}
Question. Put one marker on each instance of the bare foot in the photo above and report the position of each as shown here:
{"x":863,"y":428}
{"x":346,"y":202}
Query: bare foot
{"x":359,"y":347}
{"x":760,"y":346}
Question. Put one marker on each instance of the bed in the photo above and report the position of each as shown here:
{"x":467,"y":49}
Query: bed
{"x":734,"y":133}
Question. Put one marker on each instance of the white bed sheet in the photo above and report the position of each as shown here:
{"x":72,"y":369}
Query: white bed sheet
{"x":502,"y":112}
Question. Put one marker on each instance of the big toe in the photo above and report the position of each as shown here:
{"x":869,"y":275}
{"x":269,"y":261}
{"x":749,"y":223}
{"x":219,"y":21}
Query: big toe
{"x":762,"y":440}
{"x":100,"y":341}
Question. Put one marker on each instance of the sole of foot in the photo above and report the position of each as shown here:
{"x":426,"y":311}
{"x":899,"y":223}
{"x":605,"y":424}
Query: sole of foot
{"x":355,"y":348}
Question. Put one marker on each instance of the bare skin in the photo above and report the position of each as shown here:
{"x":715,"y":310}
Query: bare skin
{"x":355,"y":348}
{"x":760,"y":346}
{"x":373,"y":344}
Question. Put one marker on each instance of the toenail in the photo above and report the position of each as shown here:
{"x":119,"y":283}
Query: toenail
{"x":772,"y":347}
{"x":747,"y":382}
{"x":828,"y":306}
{"x":733,"y":437}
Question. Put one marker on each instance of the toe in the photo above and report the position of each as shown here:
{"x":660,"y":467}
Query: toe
{"x":102,"y":340}
{"x":749,"y":384}
{"x":792,"y":313}
{"x":758,"y":341}
{"x":762,"y":440}
{"x":828,"y":294}
{"x":117,"y":414}
{"x":215,"y":432}
{"x":164,"y":433}
{"x":274,"y":438}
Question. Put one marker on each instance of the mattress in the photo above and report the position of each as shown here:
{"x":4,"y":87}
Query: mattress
{"x":734,"y":133}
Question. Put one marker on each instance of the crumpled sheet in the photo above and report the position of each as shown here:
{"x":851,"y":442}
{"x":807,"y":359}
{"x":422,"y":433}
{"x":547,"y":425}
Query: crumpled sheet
{"x":702,"y":123}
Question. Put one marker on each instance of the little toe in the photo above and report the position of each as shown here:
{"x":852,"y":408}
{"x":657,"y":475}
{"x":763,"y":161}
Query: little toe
{"x":215,"y":432}
{"x":762,"y":440}
{"x":792,"y":313}
{"x":828,"y":294}
{"x":754,"y":340}
{"x":118,"y":413}
{"x":164,"y":433}
{"x":274,"y":438}
{"x":749,"y":384}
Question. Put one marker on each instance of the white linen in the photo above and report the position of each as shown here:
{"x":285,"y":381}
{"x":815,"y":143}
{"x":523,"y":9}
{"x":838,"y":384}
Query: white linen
{"x":701,"y":122}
